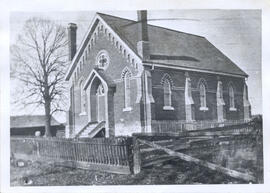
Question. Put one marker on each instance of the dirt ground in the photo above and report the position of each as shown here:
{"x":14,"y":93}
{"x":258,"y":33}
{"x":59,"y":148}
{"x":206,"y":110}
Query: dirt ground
{"x":171,"y":172}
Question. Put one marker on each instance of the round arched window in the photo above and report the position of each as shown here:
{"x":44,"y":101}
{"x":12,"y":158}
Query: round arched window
{"x":102,"y":60}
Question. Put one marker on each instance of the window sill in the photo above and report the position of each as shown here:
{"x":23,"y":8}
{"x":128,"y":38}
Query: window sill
{"x":204,"y":109}
{"x":168,"y":108}
{"x":233,"y":109}
{"x":82,"y":114}
{"x":127,"y":109}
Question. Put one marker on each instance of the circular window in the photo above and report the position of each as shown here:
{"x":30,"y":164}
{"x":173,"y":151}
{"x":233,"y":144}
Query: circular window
{"x":103,"y":59}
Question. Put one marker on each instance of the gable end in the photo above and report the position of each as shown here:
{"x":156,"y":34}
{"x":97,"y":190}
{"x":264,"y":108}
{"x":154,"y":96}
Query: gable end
{"x":100,"y":26}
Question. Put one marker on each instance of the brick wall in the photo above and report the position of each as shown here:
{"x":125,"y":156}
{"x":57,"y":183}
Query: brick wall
{"x":178,"y":97}
{"x":125,"y":122}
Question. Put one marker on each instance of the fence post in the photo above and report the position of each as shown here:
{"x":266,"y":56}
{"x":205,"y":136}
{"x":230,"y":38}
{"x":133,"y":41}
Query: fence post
{"x":136,"y":156}
{"x":38,"y":153}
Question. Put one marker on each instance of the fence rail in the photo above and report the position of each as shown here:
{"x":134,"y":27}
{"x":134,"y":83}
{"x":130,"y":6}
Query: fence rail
{"x":111,"y":153}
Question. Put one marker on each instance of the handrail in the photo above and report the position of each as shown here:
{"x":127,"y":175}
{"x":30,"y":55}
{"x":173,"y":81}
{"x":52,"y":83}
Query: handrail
{"x":83,"y":129}
{"x":99,"y":125}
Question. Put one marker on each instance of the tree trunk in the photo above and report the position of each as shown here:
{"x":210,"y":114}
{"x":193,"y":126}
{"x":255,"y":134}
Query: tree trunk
{"x":47,"y":119}
{"x":47,"y":101}
{"x":48,"y":125}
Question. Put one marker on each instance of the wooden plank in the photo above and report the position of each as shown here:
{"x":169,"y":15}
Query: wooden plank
{"x":158,"y":161}
{"x":229,"y":172}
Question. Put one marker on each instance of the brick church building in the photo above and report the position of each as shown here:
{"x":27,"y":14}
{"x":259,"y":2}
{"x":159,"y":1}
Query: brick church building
{"x":128,"y":77}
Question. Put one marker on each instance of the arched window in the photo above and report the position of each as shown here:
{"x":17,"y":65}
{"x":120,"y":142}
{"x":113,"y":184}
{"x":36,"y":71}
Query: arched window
{"x":167,"y":93}
{"x":167,"y":83}
{"x":100,"y":90}
{"x":82,"y":97}
{"x":202,"y":95}
{"x":127,"y":90}
{"x":231,"y":98}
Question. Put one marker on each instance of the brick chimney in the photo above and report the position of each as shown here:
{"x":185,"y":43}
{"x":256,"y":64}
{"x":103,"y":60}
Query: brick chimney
{"x":72,"y":28}
{"x":143,"y":41}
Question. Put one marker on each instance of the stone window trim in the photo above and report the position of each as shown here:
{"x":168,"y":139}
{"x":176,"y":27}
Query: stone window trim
{"x":124,"y":71}
{"x":204,"y":108}
{"x":102,"y":59}
{"x":233,"y":109}
{"x":126,"y":109}
{"x":83,"y":113}
{"x":203,"y":101}
{"x":168,"y":108}
{"x":166,"y":76}
{"x":167,"y":94}
{"x":231,"y":97}
{"x":126,"y":77}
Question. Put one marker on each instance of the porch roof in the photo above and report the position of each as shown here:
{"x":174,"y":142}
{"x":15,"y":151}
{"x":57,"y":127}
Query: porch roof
{"x":100,"y":74}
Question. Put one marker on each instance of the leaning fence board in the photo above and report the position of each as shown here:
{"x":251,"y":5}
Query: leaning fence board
{"x":232,"y":173}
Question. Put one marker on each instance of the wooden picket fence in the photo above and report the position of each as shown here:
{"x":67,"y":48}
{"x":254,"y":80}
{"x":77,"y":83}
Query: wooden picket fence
{"x":118,"y":155}
{"x":112,"y":155}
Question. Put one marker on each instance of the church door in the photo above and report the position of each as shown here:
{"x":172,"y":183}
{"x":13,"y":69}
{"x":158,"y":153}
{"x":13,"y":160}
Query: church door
{"x":100,"y":103}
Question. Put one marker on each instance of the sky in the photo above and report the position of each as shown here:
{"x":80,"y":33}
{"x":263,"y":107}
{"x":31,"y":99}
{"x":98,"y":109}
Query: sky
{"x":237,"y":33}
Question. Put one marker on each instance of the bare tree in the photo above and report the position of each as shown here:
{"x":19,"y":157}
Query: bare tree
{"x":38,"y":61}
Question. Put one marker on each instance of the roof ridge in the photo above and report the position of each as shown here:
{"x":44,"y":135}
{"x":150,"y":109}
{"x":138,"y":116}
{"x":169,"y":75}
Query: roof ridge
{"x":115,"y":16}
{"x":165,"y":28}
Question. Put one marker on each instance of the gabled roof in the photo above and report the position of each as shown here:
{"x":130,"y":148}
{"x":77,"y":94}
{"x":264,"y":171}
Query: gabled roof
{"x":174,"y":48}
{"x":169,"y":48}
{"x":25,"y":121}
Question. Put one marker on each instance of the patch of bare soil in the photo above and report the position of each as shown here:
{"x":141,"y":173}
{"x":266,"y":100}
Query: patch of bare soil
{"x":171,"y":172}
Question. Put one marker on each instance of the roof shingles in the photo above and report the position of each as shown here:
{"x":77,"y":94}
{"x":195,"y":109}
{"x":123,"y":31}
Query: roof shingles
{"x":175,"y":48}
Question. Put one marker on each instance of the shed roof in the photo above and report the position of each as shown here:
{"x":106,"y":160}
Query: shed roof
{"x":25,"y":121}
